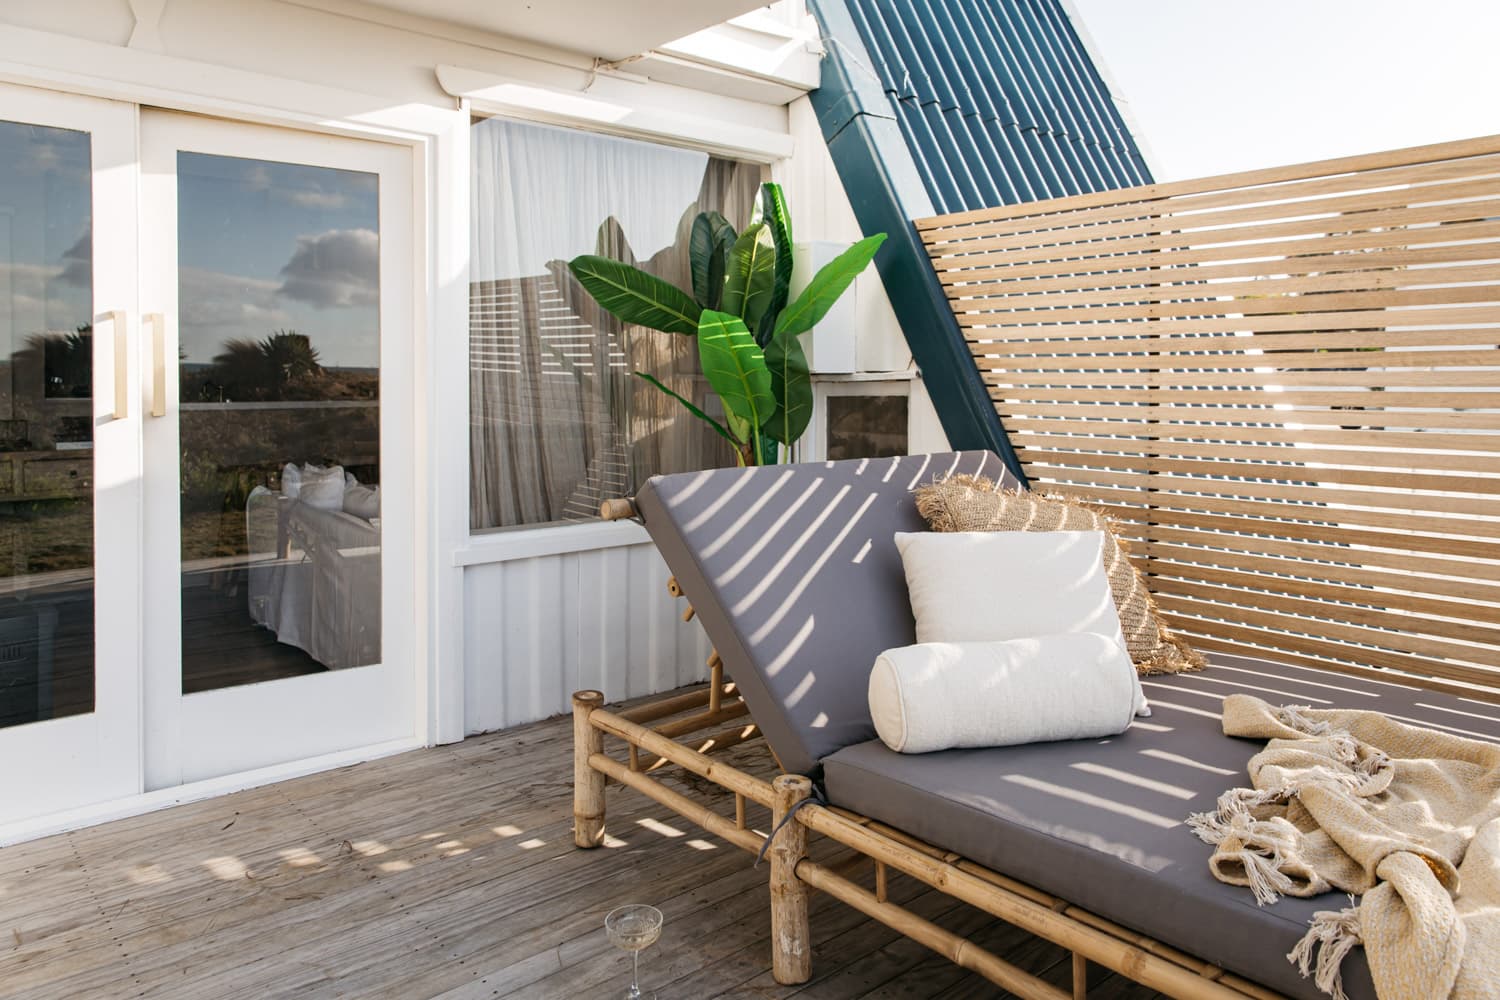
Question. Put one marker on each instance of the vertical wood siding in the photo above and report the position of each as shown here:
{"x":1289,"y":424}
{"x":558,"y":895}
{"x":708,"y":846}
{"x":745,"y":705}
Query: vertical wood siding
{"x":536,"y":630}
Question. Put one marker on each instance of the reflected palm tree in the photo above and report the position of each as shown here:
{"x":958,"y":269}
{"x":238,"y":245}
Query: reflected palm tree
{"x":265,"y":369}
{"x":67,"y":361}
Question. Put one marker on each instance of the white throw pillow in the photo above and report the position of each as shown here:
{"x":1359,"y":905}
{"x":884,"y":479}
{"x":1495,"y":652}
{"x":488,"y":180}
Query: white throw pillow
{"x":976,"y":586}
{"x":943,"y":695}
{"x":322,"y":488}
{"x":362,"y":501}
{"x":291,"y":480}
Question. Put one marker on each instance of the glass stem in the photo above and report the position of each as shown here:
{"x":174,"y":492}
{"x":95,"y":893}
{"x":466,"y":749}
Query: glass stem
{"x":635,"y":973}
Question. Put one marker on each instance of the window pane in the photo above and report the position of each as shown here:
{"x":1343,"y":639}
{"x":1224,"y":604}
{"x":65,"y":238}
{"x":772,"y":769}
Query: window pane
{"x":279,"y":373}
{"x":46,"y":424}
{"x":558,"y":422}
{"x":866,"y":427}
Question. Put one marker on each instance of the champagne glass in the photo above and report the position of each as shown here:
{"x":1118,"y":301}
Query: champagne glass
{"x":633,"y":927}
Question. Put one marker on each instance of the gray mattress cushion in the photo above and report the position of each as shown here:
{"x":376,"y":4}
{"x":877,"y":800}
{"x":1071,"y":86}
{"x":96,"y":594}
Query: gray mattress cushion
{"x":794,"y":573}
{"x":1100,"y":822}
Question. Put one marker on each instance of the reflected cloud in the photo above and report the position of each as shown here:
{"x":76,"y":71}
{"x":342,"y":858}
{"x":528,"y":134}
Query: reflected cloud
{"x":337,"y":268}
{"x":78,"y":262}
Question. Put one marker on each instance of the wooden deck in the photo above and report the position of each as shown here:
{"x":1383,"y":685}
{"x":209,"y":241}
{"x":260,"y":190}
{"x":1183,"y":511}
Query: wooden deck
{"x":443,"y":873}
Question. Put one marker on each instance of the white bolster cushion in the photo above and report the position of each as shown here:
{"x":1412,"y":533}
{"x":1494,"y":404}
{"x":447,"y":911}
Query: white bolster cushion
{"x":972,"y":586}
{"x":945,"y":695}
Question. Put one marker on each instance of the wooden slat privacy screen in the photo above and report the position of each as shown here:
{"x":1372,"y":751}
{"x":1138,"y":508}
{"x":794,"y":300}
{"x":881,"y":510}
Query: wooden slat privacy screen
{"x":1284,"y":383}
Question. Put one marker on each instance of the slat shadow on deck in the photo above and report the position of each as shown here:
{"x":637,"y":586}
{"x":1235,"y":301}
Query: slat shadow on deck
{"x":443,"y":873}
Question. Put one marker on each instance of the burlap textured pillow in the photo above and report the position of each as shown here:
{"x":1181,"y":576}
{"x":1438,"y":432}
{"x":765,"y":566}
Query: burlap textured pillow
{"x":970,"y":503}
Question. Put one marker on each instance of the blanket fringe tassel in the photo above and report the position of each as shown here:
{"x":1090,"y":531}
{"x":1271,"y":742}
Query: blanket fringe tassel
{"x":1333,"y":935}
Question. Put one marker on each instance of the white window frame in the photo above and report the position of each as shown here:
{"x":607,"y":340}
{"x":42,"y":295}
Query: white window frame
{"x":483,"y":546}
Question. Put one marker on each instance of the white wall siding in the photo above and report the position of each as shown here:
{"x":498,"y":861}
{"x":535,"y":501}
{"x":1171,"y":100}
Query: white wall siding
{"x":539,"y":629}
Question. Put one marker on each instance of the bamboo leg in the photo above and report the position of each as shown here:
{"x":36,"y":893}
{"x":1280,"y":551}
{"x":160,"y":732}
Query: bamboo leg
{"x":1080,"y":977}
{"x":588,"y":784}
{"x":715,"y":682}
{"x":791,"y":940}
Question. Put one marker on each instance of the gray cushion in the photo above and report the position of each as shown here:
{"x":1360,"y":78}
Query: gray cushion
{"x":794,"y":574}
{"x":1100,"y":822}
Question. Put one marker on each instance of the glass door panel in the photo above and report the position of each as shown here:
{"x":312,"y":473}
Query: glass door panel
{"x":46,"y":434}
{"x":278,"y":367}
{"x":281,"y":577}
{"x":69,"y":455}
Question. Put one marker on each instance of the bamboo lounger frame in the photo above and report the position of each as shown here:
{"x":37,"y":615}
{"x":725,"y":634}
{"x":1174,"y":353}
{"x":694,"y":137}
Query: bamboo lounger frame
{"x":793,"y":874}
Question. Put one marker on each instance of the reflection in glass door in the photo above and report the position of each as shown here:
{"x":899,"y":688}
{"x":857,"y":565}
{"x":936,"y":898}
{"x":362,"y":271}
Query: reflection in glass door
{"x":46,"y":425}
{"x":280,"y":576}
{"x":278,"y":367}
{"x":69,"y":455}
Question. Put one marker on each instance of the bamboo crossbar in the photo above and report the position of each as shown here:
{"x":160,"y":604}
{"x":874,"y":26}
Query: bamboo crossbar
{"x":1087,"y":936}
{"x":718,"y":772}
{"x":956,"y":949}
{"x":661,"y":709}
{"x":1303,"y":360}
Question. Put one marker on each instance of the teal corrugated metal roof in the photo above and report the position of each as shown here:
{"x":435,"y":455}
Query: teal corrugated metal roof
{"x":998,"y":100}
{"x":938,"y":106}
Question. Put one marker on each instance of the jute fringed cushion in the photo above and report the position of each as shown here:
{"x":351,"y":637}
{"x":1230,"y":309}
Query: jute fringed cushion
{"x":969,"y":503}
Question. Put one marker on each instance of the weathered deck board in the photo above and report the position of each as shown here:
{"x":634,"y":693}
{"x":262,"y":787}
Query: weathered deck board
{"x":442,"y":873}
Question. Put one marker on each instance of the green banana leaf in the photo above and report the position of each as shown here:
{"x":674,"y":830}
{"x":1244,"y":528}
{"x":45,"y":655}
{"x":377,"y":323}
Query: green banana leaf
{"x":708,"y":252}
{"x":736,"y":368}
{"x":695,"y":411}
{"x":779,"y":220}
{"x":634,"y":296}
{"x":751,"y":275}
{"x":791,"y":388}
{"x":827,"y":285}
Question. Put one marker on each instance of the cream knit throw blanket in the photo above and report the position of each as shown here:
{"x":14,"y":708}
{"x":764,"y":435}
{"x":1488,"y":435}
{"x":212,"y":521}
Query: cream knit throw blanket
{"x":1407,"y":819}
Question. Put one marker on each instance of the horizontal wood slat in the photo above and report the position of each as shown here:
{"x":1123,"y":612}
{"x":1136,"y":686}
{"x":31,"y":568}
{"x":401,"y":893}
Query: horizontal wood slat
{"x":1283,"y":384}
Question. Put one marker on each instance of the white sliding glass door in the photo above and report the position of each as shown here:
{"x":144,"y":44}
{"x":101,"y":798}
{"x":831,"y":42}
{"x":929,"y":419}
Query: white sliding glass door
{"x":207,"y":486}
{"x":277,"y":288}
{"x":70,"y":454}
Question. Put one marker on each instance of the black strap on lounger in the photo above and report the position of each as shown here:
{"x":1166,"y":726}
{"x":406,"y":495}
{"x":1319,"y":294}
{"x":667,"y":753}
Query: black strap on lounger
{"x":817,"y":797}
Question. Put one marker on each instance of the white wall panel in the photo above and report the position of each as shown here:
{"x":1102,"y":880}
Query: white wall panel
{"x":539,"y":629}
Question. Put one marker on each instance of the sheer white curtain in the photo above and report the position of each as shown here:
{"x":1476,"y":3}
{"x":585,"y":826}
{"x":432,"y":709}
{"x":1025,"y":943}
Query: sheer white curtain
{"x":557,"y":422}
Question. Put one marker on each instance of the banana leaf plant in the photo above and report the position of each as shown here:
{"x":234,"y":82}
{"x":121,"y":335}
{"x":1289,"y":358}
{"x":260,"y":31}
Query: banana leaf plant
{"x":740,"y":311}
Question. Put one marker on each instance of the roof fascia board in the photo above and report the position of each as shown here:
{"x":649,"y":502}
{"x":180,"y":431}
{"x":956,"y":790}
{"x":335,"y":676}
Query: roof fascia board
{"x":489,"y":93}
{"x":886,"y":192}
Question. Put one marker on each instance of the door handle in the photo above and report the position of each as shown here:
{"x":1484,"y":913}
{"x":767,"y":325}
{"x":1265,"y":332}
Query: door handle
{"x":122,"y":365}
{"x":158,"y":324}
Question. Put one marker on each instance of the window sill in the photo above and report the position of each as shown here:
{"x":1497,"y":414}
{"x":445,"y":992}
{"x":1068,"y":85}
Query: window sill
{"x":552,"y":540}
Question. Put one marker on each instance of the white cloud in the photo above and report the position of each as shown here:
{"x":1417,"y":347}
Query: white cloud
{"x":340,"y":267}
{"x":217,"y":307}
{"x":78,"y":262}
{"x":325,"y":201}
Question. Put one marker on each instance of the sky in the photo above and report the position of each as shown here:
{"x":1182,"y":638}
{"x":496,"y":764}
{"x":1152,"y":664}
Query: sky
{"x":263,"y":246}
{"x":1216,"y":87}
{"x":266,"y":246}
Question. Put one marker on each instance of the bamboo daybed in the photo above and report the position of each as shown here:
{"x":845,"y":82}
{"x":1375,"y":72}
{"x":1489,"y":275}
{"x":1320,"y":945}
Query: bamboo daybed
{"x":798,"y":585}
{"x":1284,"y":387}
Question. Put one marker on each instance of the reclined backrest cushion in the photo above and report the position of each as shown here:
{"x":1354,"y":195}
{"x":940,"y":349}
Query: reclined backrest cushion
{"x":794,"y":573}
